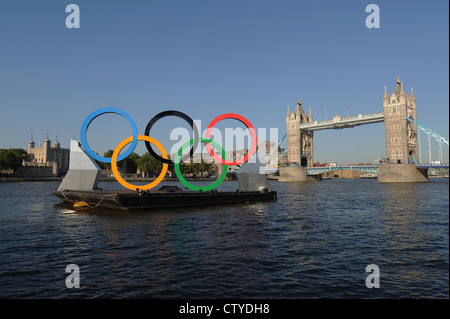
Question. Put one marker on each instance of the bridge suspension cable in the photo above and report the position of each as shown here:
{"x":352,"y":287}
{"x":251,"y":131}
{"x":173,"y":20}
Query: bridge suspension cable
{"x":275,"y":148}
{"x":431,"y":133}
{"x":274,"y":164}
{"x":273,"y":158}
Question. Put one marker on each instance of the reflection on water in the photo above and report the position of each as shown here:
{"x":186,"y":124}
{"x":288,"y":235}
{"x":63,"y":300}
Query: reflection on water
{"x":411,"y":253}
{"x":314,"y":242}
{"x":67,"y":211}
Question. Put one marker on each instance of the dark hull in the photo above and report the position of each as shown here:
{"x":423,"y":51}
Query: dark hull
{"x":132,"y":200}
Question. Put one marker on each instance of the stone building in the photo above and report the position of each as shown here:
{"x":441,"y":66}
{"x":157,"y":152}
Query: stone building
{"x":300,"y":143}
{"x":46,"y":161}
{"x":401,"y":135}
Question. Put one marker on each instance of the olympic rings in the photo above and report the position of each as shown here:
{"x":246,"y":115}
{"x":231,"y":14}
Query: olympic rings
{"x":116,"y":172}
{"x":181,"y":177}
{"x":164,"y":157}
{"x":246,"y":123}
{"x":97,"y":113}
{"x":177,"y":114}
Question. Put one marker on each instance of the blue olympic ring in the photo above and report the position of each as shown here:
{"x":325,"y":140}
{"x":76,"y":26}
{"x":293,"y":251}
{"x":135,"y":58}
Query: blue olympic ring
{"x":99,"y":112}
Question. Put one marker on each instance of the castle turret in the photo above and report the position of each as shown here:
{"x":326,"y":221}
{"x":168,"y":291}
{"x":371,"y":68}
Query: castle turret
{"x":402,"y":94}
{"x":30,"y":145}
{"x":386,"y":97}
{"x":298,"y":109}
{"x":46,"y":149}
{"x":397,"y":87}
{"x":56,"y":145}
{"x":413,"y":98}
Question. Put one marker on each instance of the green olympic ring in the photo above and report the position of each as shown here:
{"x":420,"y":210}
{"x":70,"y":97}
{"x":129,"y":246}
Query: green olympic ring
{"x":184,"y":181}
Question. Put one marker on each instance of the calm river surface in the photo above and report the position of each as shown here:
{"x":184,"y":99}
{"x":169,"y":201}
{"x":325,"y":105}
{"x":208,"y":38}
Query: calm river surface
{"x":315,"y":241}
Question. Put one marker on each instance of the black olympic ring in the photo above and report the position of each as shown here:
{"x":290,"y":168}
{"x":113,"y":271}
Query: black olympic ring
{"x":177,"y":114}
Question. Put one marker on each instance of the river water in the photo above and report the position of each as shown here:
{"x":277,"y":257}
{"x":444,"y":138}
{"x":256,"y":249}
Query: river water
{"x":315,"y":241}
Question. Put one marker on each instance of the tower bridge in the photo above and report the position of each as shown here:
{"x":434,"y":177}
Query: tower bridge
{"x":401,"y":127}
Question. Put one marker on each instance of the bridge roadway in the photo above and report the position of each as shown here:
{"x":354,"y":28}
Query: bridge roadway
{"x":316,"y":170}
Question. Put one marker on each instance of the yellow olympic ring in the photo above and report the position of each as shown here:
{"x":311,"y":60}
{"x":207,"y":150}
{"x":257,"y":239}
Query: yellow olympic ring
{"x":116,"y":154}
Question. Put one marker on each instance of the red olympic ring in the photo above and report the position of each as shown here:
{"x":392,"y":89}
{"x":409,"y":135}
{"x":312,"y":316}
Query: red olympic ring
{"x":246,"y":123}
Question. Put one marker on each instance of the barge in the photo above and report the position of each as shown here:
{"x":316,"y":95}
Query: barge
{"x":79,"y":189}
{"x":147,"y":200}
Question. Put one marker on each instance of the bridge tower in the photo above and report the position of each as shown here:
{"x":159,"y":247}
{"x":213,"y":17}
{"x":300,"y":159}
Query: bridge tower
{"x":401,"y":139}
{"x":300,"y":143}
{"x":401,"y":135}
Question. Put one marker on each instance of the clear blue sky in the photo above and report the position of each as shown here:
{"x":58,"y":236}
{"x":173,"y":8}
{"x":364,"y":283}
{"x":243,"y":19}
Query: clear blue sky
{"x":205,"y":58}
